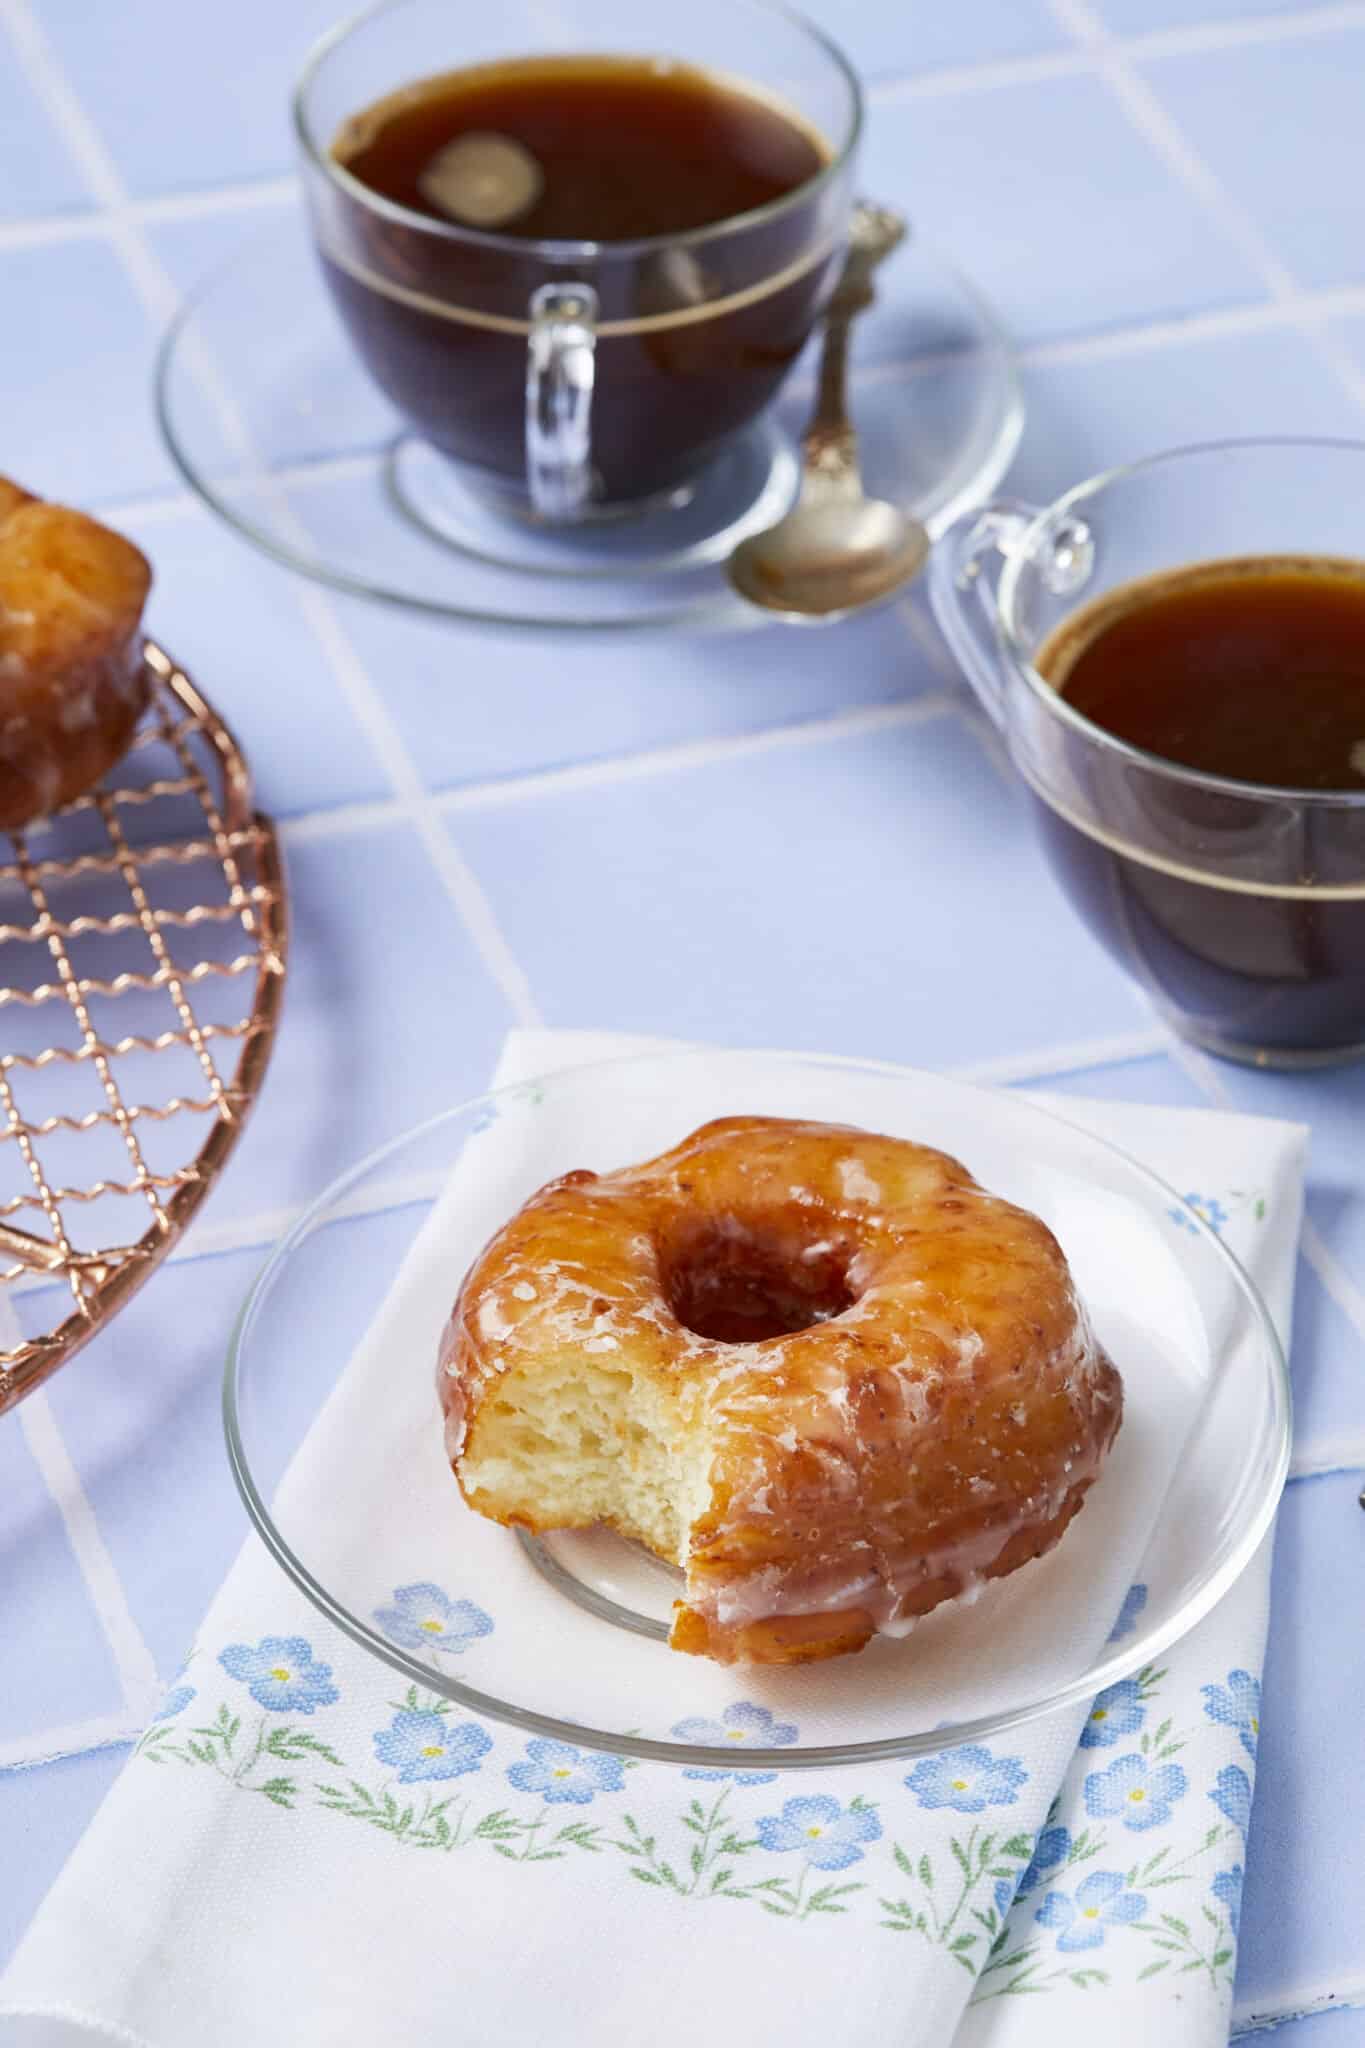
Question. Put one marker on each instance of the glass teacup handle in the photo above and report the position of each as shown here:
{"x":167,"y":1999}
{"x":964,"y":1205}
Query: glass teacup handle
{"x":964,"y":576}
{"x":560,"y":369}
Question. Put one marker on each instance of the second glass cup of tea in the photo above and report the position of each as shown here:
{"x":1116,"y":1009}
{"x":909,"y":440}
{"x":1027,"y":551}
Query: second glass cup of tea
{"x":579,"y":247}
{"x":1238,"y":904}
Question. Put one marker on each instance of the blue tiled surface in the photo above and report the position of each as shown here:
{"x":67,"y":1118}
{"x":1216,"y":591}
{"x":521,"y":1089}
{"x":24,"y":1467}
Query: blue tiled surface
{"x":1087,"y":415}
{"x":1055,"y":205}
{"x":391,"y":1017}
{"x":758,"y":921}
{"x":1306,"y":1821}
{"x":45,"y":1612}
{"x":169,"y":1392}
{"x":899,"y":42}
{"x":1246,"y":112}
{"x":1352,"y":332}
{"x":186,"y":96}
{"x":806,"y":889}
{"x":1336,"y":1199}
{"x":192,"y":249}
{"x":174,"y":1392}
{"x":37,"y":175}
{"x":78,"y":350}
{"x":273,"y":683}
{"x":562,"y":703}
{"x":1143,"y":17}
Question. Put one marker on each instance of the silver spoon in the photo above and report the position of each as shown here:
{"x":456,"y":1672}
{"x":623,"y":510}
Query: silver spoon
{"x":837,"y":549}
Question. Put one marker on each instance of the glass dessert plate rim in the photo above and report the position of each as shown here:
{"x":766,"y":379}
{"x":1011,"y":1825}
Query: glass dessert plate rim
{"x":1220,"y":1571}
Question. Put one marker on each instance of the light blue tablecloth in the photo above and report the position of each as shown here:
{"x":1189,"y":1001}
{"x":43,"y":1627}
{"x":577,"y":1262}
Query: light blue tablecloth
{"x":1163,"y":197}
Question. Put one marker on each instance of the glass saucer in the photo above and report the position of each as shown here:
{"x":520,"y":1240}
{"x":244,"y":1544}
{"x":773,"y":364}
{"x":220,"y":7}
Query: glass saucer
{"x":272,"y":421}
{"x":336,"y":1443}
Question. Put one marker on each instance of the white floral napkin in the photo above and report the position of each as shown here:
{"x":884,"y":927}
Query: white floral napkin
{"x":303,"y":1851}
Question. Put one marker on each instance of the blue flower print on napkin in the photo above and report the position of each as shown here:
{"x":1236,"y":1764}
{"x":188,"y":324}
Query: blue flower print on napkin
{"x":1131,"y":1790}
{"x":1004,"y":1896}
{"x":1052,"y":1848}
{"x":1237,"y":1705}
{"x":179,"y":1696}
{"x":1207,"y":1206}
{"x":1102,"y":1900}
{"x":565,"y":1776}
{"x":1227,"y":1889}
{"x":745,"y":1727}
{"x":968,"y":1779}
{"x":280,"y":1673}
{"x":1232,"y":1795}
{"x":422,"y":1617}
{"x":424,"y":1744}
{"x":1134,"y":1600}
{"x":1118,"y":1711}
{"x":829,"y":1836}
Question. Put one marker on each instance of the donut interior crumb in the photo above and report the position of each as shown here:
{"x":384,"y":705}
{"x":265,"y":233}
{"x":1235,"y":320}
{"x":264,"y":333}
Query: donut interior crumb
{"x":573,"y":1441}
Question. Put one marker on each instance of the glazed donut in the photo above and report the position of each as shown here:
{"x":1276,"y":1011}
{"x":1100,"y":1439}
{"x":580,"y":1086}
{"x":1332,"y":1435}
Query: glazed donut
{"x":73,"y":682}
{"x":823,"y":1372}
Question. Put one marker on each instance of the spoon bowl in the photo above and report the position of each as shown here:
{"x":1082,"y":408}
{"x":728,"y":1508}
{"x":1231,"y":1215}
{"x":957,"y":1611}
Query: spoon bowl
{"x":837,"y":551}
{"x":824,"y":561}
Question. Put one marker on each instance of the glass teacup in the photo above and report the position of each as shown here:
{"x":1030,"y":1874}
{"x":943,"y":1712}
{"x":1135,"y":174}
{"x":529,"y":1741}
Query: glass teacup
{"x":573,"y":380}
{"x":1239,"y":907}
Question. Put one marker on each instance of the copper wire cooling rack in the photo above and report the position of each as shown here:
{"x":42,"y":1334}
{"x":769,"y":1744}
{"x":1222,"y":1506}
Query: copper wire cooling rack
{"x":143,"y":938}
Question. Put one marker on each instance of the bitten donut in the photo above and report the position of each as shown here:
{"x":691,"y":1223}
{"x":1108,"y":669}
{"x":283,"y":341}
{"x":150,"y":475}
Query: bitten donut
{"x":73,"y":683}
{"x":823,"y":1372}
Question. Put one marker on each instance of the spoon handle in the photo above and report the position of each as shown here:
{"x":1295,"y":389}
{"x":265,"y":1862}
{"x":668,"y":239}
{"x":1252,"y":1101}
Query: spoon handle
{"x":831,"y":443}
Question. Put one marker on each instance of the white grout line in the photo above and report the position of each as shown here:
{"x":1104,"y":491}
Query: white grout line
{"x":1150,"y":119}
{"x":166,"y":209}
{"x":308,"y":827}
{"x":994,"y":76}
{"x":88,"y":152}
{"x":160,"y":297}
{"x":133,"y":1660}
{"x":693,"y":754}
{"x":77,"y":1738}
{"x":1262,"y":316}
{"x":1202,"y":1069}
{"x":1052,"y":1062}
{"x":457,"y":878}
{"x":1195,"y":39}
{"x":1298,"y":24}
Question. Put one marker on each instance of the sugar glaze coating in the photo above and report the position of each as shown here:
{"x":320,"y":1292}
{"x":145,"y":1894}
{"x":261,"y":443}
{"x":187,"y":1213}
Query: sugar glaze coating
{"x":896,"y":1385}
{"x":73,"y":682}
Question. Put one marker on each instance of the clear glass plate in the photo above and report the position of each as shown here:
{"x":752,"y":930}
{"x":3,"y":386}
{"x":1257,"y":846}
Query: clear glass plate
{"x":272,"y":421}
{"x":343,"y":1469}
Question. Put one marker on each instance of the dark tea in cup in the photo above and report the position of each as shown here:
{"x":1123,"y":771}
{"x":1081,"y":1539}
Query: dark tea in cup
{"x":690,"y":220}
{"x":602,"y":149}
{"x":1251,"y":674}
{"x":1174,"y":652}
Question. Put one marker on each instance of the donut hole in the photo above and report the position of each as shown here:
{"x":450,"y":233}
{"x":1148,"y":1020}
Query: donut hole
{"x":737,"y":1281}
